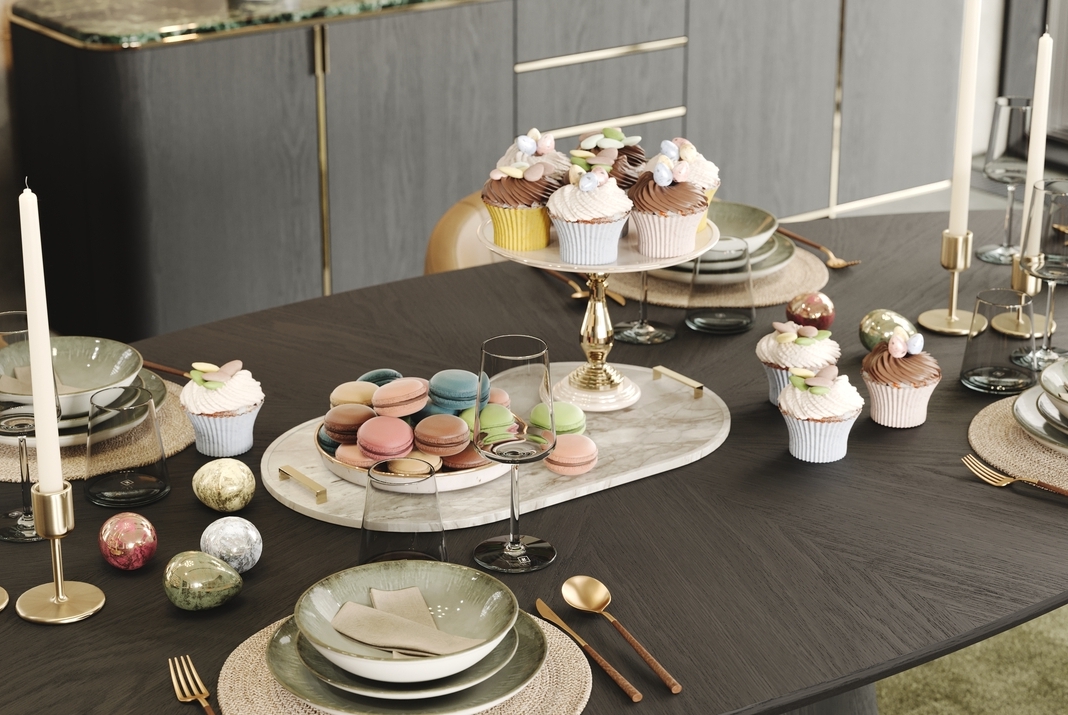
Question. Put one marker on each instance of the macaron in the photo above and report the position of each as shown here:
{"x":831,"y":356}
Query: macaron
{"x":355,"y":392}
{"x":381,"y":376}
{"x":352,"y":455}
{"x":343,"y":422}
{"x":496,"y":421}
{"x":400,"y":398}
{"x":327,"y":443}
{"x":442,"y":435}
{"x":469,"y":458}
{"x":575,"y":454}
{"x":385,"y":437}
{"x":407,"y":465}
{"x":431,"y":409}
{"x":570,"y":419}
{"x":458,"y":389}
{"x":499,"y":397}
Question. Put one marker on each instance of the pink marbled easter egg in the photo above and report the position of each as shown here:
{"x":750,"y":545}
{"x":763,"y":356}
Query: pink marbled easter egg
{"x":127,"y":541}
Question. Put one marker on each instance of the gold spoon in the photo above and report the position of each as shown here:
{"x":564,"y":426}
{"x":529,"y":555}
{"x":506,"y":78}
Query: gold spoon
{"x":588,"y":594}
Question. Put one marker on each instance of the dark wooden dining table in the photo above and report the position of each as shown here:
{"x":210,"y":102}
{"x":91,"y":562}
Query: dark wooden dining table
{"x":761,"y":582}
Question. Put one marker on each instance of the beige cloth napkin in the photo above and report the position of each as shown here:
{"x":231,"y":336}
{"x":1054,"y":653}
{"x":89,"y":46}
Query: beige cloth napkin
{"x":401,"y":622}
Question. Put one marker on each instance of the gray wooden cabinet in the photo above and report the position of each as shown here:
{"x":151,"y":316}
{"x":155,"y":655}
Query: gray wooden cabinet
{"x":419,"y":110}
{"x":760,"y":98}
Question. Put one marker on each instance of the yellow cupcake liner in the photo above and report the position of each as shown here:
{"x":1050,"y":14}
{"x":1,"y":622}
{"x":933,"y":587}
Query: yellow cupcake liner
{"x":704,"y":217}
{"x":523,"y":229}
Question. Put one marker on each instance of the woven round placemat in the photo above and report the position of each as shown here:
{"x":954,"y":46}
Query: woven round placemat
{"x":117,"y":452}
{"x":561,"y":687}
{"x":804,"y":273}
{"x":1000,"y":441}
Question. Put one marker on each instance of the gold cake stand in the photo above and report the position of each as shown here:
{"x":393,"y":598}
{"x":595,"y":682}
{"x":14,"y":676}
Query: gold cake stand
{"x":596,"y":386}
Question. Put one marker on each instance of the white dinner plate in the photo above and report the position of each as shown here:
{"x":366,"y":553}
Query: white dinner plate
{"x":1026,"y":412}
{"x":1048,"y":410}
{"x":782,"y":252}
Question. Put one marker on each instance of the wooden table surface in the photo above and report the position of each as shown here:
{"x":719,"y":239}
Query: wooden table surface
{"x":761,"y":582}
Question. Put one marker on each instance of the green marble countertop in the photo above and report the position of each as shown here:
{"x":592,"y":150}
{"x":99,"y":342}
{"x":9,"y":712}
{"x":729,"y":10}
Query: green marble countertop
{"x":133,"y":23}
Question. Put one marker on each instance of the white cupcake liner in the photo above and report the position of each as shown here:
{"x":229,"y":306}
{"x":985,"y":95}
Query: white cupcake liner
{"x":666,"y":236}
{"x":588,"y":244}
{"x":778,"y":379}
{"x":899,"y":407}
{"x":812,"y":441}
{"x":224,"y":436}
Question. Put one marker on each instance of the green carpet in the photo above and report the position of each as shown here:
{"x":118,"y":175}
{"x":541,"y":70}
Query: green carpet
{"x":1023,"y":671}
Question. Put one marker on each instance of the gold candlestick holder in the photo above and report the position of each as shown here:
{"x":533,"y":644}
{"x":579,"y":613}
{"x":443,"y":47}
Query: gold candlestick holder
{"x":1016,"y":324}
{"x":60,"y":601}
{"x":956,"y":257}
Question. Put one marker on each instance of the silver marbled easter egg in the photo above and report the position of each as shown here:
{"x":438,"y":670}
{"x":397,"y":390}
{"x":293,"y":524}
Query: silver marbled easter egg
{"x":196,"y":581}
{"x":878,"y":325}
{"x":235,"y":540}
{"x":224,"y":484}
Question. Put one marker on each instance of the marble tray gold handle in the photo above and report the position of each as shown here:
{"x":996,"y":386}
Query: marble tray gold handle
{"x":286,"y":471}
{"x":698,"y":388}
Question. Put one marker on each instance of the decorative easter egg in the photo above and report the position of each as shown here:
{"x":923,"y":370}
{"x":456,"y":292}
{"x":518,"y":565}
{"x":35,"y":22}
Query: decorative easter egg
{"x":224,"y":484}
{"x":897,"y":347}
{"x":127,"y":541}
{"x":915,"y":343}
{"x":687,"y":152}
{"x":235,"y":540}
{"x":878,"y":325}
{"x":662,"y":175}
{"x":526,"y":145}
{"x":681,"y":172}
{"x":588,"y":182}
{"x":546,"y":144}
{"x":814,"y":309}
{"x":196,"y":581}
{"x":669,"y":149}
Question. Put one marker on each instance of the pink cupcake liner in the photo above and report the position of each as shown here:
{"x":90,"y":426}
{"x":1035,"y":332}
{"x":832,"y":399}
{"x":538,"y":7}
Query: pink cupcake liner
{"x":778,"y":379}
{"x":899,"y":407}
{"x":819,"y":442}
{"x":666,"y":236}
{"x":588,"y":244}
{"x":224,"y":436}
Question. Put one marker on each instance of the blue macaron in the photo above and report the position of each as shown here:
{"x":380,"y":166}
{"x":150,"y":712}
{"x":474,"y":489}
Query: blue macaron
{"x":381,"y":376}
{"x":458,"y":390}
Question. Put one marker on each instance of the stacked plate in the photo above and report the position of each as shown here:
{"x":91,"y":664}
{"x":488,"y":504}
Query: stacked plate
{"x":1042,"y":411}
{"x":338,"y":674}
{"x":768,"y":251}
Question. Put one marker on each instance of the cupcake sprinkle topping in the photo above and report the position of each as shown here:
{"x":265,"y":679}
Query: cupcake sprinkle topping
{"x":791,"y":332}
{"x":211,"y":377}
{"x":818,"y":383}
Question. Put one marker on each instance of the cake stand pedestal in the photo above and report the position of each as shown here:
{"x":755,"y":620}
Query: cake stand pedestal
{"x":596,"y":386}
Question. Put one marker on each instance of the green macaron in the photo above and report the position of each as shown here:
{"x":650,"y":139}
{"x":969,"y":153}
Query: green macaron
{"x":570,"y":419}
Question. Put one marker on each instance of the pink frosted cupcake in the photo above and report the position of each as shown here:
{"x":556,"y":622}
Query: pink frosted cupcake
{"x":222,"y":403}
{"x":589,"y":214}
{"x":900,"y":379}
{"x":793,"y":345}
{"x":667,"y":210}
{"x":819,"y":409}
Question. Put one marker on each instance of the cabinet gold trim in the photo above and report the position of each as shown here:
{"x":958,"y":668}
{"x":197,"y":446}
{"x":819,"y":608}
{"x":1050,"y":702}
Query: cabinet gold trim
{"x":630,"y":120}
{"x":608,"y":53}
{"x":322,"y":68}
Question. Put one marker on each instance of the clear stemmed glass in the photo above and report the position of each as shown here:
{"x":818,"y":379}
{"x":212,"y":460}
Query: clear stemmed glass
{"x":1048,"y":218}
{"x":16,"y":420}
{"x":1006,"y":163}
{"x":643,"y":331}
{"x":519,"y":364}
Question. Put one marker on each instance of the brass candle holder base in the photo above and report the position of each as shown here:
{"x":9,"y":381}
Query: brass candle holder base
{"x":956,"y":257}
{"x":59,"y":601}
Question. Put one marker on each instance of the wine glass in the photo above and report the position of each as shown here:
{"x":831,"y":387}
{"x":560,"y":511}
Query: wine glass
{"x":643,"y":331}
{"x":1047,"y":232}
{"x":519,"y":364}
{"x":1006,"y":163}
{"x":16,"y":420}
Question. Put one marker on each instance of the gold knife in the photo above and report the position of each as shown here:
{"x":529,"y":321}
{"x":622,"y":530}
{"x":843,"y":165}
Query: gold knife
{"x":548,"y":614}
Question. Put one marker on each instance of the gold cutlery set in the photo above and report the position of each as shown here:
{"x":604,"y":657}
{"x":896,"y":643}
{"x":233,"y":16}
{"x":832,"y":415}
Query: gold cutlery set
{"x":187,"y":683}
{"x":997,"y":479}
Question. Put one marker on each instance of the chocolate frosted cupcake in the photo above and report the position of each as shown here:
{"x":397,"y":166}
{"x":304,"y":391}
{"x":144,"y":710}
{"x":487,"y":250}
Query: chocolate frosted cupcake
{"x":702,"y":171}
{"x":515,"y":197}
{"x":667,"y":210}
{"x":900,"y":379}
{"x":621,"y":155}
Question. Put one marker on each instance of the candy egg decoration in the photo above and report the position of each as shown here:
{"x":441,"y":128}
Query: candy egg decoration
{"x":225,"y":484}
{"x":127,"y":541}
{"x":526,"y":145}
{"x":235,"y":540}
{"x":663,"y":174}
{"x":878,"y":326}
{"x":814,"y":309}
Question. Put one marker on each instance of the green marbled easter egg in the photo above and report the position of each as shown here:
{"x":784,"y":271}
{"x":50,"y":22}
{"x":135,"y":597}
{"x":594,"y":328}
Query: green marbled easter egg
{"x":878,"y":325}
{"x":196,"y":581}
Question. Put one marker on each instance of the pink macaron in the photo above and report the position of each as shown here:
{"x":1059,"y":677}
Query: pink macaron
{"x":575,"y":454}
{"x":442,"y":435}
{"x":385,"y":437}
{"x":400,"y":398}
{"x":499,"y":397}
{"x":469,"y":458}
{"x":352,"y":455}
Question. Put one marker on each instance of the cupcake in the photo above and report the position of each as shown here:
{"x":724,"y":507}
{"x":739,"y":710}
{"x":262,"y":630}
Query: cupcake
{"x":622,"y":155}
{"x":589,"y":214}
{"x":667,"y":210}
{"x":819,"y":409}
{"x":793,"y":345}
{"x":702,"y":171}
{"x":900,"y":379}
{"x":541,"y":149}
{"x":515,"y":196}
{"x":222,"y":403}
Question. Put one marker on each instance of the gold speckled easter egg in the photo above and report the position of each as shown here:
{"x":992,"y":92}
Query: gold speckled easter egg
{"x":225,"y":485}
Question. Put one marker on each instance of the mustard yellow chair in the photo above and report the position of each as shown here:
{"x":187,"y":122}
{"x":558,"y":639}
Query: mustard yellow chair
{"x":454,"y":241}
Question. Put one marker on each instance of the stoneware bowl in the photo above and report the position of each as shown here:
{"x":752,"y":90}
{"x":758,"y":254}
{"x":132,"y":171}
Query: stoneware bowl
{"x":464,"y":602}
{"x":1054,"y":381}
{"x":83,"y":366}
{"x":749,"y":223}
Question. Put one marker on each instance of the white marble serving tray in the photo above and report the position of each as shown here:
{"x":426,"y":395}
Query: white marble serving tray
{"x":667,"y":428}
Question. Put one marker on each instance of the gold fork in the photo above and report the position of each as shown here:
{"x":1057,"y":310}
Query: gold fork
{"x":187,"y":683}
{"x":833,"y":261}
{"x":991,"y":476}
